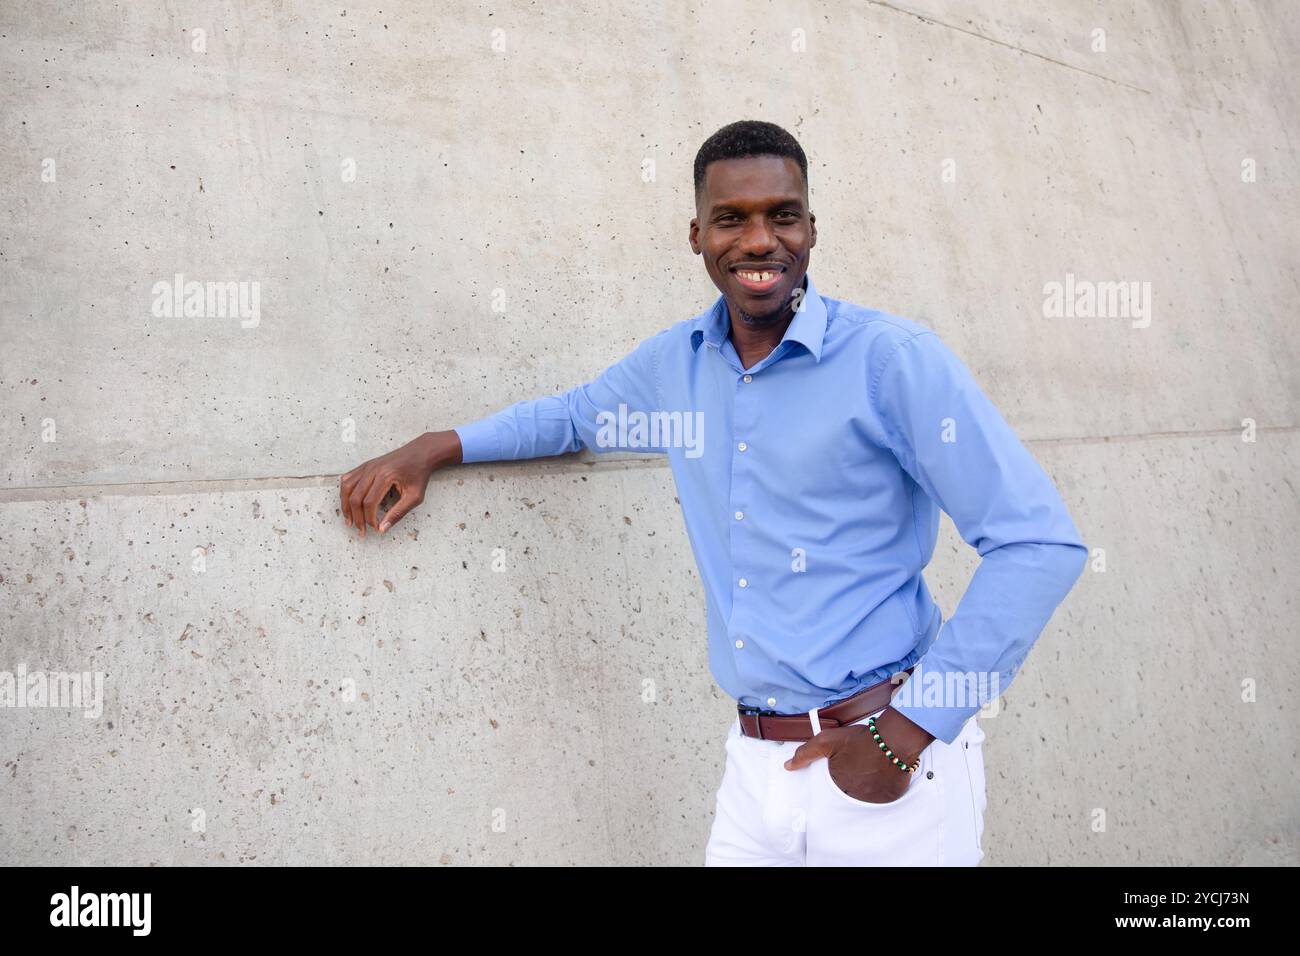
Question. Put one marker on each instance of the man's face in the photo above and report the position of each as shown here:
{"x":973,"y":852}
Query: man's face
{"x":753,"y":227}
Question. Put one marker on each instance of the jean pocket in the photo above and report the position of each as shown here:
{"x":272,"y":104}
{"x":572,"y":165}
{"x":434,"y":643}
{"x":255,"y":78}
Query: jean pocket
{"x":917,"y":781}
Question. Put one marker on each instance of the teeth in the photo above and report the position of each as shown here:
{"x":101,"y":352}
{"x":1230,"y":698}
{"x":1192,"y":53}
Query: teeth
{"x":757,"y":276}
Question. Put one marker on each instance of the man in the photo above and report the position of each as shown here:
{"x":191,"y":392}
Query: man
{"x":832,"y":435}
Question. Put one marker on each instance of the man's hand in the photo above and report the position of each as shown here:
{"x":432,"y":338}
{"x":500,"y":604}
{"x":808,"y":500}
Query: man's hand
{"x":856,"y":763}
{"x":407,"y":470}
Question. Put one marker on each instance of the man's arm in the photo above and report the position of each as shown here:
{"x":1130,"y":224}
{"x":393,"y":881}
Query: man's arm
{"x":959,"y":449}
{"x":585,"y":416}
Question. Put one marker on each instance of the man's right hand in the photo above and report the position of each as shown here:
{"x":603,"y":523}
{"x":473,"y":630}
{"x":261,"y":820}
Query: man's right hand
{"x":407,"y":470}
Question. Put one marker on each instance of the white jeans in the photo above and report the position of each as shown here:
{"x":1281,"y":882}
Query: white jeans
{"x":766,"y":815}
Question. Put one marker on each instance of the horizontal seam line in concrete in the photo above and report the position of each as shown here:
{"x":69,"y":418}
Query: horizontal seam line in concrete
{"x":542,"y":465}
{"x":185,"y":486}
{"x":1003,"y":43}
{"x":1151,"y":436}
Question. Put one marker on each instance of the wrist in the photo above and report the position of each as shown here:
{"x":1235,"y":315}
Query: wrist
{"x":440,"y":448}
{"x":906,"y":739}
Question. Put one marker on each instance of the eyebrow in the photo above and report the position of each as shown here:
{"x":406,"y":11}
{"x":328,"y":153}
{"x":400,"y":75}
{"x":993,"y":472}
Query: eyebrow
{"x":791,"y":200}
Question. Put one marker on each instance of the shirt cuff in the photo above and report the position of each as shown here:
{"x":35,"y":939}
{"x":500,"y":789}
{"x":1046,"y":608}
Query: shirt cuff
{"x":479,"y":441}
{"x":944,"y":723}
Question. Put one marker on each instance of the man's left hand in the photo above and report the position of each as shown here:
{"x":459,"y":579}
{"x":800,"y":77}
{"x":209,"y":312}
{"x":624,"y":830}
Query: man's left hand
{"x":856,"y":763}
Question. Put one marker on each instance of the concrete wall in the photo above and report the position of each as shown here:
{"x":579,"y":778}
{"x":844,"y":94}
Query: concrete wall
{"x":168,"y":502}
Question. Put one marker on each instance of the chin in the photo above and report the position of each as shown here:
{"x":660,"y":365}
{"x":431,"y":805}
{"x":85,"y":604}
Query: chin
{"x":766,"y":309}
{"x":769,"y":313}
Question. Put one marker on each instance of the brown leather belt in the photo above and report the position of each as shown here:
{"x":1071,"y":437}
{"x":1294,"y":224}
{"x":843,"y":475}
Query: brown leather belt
{"x":769,"y":725}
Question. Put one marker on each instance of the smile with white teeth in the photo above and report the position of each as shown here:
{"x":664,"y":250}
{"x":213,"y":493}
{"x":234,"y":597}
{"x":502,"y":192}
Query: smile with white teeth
{"x":756,"y":276}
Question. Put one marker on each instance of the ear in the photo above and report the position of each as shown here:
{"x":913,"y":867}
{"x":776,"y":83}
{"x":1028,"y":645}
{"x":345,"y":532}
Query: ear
{"x":812,"y":228}
{"x":695,"y":236}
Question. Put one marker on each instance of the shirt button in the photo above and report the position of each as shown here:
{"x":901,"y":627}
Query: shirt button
{"x":743,"y":583}
{"x":771,"y":702}
{"x":749,"y":378}
{"x":739,"y":644}
{"x":740,"y":515}
{"x":742,"y":446}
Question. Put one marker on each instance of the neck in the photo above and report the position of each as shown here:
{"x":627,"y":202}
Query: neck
{"x":755,"y":337}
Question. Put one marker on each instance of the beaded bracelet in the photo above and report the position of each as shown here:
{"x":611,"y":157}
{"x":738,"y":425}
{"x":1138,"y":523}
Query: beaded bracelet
{"x":875,"y":735}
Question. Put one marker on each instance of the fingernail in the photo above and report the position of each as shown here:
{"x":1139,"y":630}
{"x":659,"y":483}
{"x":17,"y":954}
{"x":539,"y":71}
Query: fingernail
{"x":383,"y":527}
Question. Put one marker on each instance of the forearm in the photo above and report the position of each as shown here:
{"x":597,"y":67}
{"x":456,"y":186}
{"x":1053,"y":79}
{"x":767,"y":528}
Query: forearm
{"x":981,"y":648}
{"x":539,"y":428}
{"x":569,"y":422}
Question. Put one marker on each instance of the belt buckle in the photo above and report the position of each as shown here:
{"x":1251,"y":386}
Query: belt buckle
{"x":759,"y":713}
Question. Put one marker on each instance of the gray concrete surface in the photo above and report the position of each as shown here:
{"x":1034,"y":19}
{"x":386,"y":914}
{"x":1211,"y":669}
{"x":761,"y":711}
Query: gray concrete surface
{"x":320,"y":699}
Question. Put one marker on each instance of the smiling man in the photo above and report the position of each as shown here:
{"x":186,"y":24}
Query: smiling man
{"x":833,"y":435}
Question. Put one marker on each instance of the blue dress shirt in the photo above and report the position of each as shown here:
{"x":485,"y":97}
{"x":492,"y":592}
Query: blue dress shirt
{"x":811,"y":485}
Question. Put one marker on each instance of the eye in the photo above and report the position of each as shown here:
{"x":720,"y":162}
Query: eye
{"x":787,"y":214}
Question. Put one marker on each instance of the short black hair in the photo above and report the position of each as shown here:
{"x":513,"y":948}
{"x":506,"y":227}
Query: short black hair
{"x":748,"y":138}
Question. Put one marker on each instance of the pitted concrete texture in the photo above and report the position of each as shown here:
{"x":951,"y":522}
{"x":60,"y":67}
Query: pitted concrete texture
{"x":445,"y":211}
{"x":524,"y":654}
{"x":559,"y":709}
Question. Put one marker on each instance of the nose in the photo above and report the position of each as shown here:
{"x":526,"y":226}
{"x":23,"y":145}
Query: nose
{"x":758,"y":238}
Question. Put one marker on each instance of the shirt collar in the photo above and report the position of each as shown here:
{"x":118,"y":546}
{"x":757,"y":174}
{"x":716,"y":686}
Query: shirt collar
{"x":808,"y":327}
